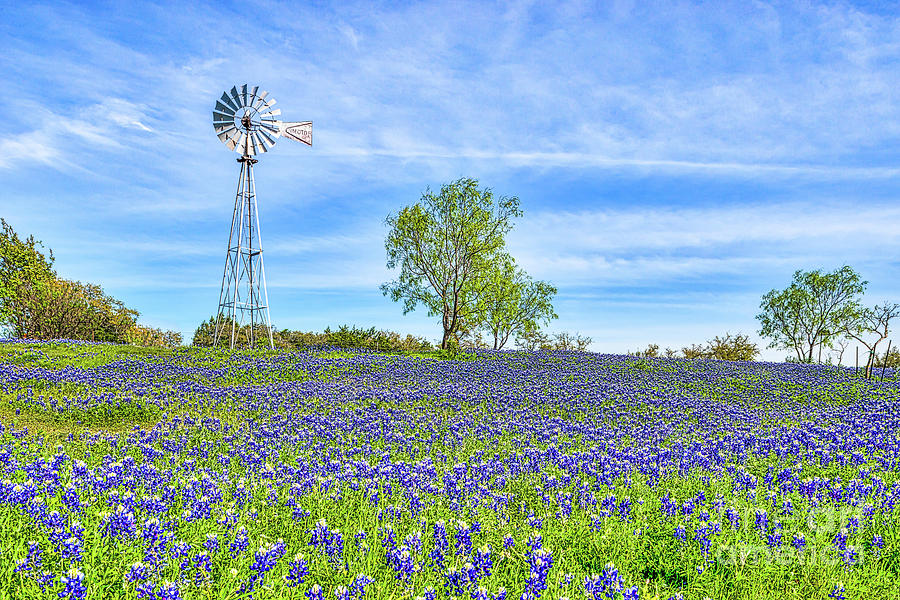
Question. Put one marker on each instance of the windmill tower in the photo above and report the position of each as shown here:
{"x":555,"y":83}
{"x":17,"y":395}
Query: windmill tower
{"x":245,"y":121}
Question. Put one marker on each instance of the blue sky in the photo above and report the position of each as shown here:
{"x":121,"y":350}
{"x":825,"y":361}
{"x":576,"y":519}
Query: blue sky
{"x":675,"y":161}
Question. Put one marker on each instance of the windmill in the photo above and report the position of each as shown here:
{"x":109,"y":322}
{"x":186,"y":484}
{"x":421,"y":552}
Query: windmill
{"x":245,"y":121}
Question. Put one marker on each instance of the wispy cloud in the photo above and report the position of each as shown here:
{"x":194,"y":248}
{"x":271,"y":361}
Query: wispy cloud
{"x":790,"y":110}
{"x":662,"y":244}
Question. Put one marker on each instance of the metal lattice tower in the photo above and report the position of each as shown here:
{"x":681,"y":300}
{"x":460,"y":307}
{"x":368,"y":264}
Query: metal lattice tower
{"x":245,"y":121}
{"x":243,"y":298}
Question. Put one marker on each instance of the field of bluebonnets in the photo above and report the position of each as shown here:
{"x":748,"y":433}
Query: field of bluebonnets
{"x":313,"y":475}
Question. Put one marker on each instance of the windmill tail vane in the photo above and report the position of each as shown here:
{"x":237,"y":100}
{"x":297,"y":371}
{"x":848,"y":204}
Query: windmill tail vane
{"x":246,"y":121}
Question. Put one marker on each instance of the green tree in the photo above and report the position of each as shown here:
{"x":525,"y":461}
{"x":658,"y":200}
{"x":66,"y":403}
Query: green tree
{"x":890,"y":360}
{"x":809,"y":313}
{"x":513,"y":303}
{"x":444,"y":246}
{"x":64,"y":309}
{"x":24,"y":273}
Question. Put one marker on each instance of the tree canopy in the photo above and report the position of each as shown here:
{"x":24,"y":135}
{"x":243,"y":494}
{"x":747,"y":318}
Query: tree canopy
{"x":446,"y":246}
{"x":812,"y":311}
{"x":512,"y":303}
{"x":35,"y":303}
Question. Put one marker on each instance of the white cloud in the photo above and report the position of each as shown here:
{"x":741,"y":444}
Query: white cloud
{"x":660,"y":244}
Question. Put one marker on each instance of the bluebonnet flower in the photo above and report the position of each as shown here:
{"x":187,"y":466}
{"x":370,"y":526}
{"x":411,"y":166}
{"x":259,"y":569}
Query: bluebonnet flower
{"x":787,"y":507}
{"x":508,"y":542}
{"x":240,"y":543}
{"x":119,"y":523}
{"x":137,"y":572}
{"x":608,"y":585}
{"x":264,"y":560}
{"x":479,"y":593}
{"x":32,"y":561}
{"x":168,"y":591}
{"x":402,"y":562}
{"x":73,"y":586}
{"x":72,"y":549}
{"x":298,"y":569}
{"x":625,"y":508}
{"x":441,"y":545}
{"x":314,"y":593}
{"x":463,"y":539}
{"x":540,"y":562}
{"x":46,"y":580}
{"x":840,"y":539}
{"x":762,"y":520}
{"x":455,"y":581}
{"x":483,"y":561}
{"x":733,"y":518}
{"x":358,"y":586}
{"x":877,"y":543}
{"x":413,"y":541}
{"x":838,"y":592}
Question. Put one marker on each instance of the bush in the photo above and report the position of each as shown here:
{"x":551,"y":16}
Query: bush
{"x":141,"y":335}
{"x":728,"y":347}
{"x":890,"y":361}
{"x":344,"y":336}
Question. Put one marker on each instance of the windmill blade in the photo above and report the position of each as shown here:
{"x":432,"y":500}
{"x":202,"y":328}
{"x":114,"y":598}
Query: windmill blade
{"x":228,"y":101}
{"x":268,"y":106}
{"x":271,"y":114}
{"x":227,"y":134}
{"x":236,"y":97}
{"x":222,"y":116}
{"x":227,"y":131}
{"x":260,"y":143}
{"x":269,"y":139}
{"x":253,"y":95}
{"x":244,"y":95}
{"x":261,"y":100}
{"x":273,"y":130}
{"x":298,"y":131}
{"x":232,"y":143}
{"x":257,"y":143}
{"x":223,"y":108}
